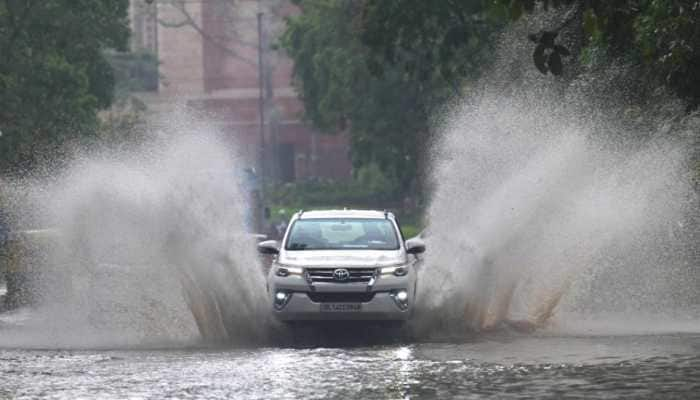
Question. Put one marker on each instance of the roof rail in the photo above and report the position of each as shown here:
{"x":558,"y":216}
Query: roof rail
{"x":386,"y":214}
{"x":300,"y":212}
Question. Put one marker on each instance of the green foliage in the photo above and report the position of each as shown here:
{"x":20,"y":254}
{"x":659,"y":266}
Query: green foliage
{"x":385,"y":115}
{"x":409,"y":231}
{"x":663,"y":34}
{"x":380,"y":68}
{"x":449,"y":40}
{"x":53,"y":75}
{"x":667,"y":34}
{"x":133,"y":71}
{"x":371,"y":179}
{"x":369,"y":189}
{"x":322,"y":45}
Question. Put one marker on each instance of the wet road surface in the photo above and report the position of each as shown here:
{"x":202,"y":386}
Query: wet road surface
{"x":492,"y":366}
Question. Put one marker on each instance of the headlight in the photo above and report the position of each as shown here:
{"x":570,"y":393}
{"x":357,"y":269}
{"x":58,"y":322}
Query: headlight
{"x":397,"y":270}
{"x":283,"y":270}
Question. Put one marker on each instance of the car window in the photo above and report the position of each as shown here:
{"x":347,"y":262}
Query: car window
{"x":337,"y":234}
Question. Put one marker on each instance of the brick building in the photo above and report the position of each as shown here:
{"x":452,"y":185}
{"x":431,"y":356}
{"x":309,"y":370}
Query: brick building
{"x":208,"y":52}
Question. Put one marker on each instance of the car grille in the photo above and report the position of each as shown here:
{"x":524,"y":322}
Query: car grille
{"x":335,"y":297}
{"x":357,"y":275}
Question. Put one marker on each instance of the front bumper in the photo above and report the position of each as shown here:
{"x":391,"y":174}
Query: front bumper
{"x":327,"y":301}
{"x":300,"y":307}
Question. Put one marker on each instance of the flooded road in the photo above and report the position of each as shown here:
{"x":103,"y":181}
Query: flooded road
{"x":496,"y":366}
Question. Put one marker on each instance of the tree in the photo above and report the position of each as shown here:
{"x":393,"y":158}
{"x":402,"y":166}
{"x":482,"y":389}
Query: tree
{"x":662,"y":35}
{"x":53,"y":74}
{"x":659,"y":40}
{"x":450,"y":40}
{"x":345,"y":85}
{"x":339,"y":92}
{"x":134,"y":71}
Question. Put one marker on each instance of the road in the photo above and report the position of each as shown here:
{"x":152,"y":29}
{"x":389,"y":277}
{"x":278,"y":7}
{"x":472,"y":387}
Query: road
{"x":503,"y":365}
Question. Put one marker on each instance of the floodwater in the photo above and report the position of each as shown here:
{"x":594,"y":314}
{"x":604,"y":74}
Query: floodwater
{"x":505,"y":365}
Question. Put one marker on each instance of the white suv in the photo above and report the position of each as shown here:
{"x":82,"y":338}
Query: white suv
{"x":343,"y":265}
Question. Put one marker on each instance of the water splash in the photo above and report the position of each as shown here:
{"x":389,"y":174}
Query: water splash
{"x":541,"y":206}
{"x":560,"y":200}
{"x":148,"y":248}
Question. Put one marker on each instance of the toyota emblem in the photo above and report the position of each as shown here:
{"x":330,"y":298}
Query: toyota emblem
{"x":341,"y":274}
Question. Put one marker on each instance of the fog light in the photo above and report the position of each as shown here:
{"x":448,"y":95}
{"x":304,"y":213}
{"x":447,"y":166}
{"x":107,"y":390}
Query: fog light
{"x":401,"y":295}
{"x":281,"y":299}
{"x":400,"y":298}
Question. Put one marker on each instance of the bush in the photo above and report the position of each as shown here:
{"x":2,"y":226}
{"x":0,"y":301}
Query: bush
{"x":369,"y":188}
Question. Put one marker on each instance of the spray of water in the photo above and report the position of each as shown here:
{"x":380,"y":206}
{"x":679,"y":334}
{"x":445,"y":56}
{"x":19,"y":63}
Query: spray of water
{"x":147,"y":248}
{"x":547,"y":204}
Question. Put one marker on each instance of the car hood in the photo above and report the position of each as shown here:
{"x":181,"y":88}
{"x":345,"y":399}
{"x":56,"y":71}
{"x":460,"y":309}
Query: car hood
{"x":342,"y":258}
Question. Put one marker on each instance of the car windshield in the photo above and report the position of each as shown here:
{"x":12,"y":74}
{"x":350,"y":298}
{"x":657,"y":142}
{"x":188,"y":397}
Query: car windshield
{"x":342,"y":234}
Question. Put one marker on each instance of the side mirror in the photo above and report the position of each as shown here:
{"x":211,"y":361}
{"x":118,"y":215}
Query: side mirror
{"x":415,"y":246}
{"x":269,"y":247}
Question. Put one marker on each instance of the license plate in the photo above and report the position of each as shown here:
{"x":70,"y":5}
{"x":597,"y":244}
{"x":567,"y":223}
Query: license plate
{"x":340,"y":307}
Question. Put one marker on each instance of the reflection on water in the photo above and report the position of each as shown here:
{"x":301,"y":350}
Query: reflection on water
{"x":501,"y":366}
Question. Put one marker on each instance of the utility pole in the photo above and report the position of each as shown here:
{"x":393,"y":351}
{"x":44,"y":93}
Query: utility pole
{"x":261,"y":211}
{"x":261,"y":105}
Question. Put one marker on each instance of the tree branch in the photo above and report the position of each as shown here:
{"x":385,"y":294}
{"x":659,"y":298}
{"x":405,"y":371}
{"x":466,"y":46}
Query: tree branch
{"x":189,"y":21}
